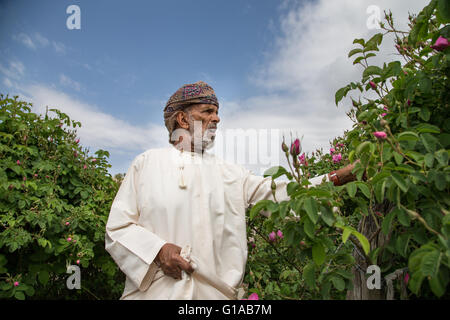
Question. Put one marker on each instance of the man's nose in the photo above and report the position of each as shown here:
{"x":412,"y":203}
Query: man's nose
{"x":216,"y":118}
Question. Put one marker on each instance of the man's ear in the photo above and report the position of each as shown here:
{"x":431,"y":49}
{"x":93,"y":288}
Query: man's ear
{"x":182,"y":120}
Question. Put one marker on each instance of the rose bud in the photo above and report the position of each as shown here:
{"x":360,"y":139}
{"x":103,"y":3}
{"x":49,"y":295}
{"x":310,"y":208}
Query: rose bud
{"x":380,"y":135}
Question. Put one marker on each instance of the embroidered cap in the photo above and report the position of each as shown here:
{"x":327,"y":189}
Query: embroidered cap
{"x":199,"y":92}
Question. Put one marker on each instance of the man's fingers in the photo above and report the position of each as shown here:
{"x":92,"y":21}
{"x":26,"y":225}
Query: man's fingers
{"x":184,"y":265}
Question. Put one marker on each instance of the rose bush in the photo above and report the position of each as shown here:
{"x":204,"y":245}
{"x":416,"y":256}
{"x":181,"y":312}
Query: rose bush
{"x":396,"y":213}
{"x":54,"y":203}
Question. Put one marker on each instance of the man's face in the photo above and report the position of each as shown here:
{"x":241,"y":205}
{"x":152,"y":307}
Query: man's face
{"x":208,"y":115}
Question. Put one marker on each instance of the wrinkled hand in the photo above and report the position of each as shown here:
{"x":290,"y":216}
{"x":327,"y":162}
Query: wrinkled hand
{"x":171,"y":262}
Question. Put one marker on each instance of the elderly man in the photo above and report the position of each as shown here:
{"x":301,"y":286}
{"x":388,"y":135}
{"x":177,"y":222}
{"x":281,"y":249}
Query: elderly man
{"x":177,"y":224}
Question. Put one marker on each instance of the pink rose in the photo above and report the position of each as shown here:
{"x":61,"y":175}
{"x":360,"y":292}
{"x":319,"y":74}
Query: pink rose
{"x":295,"y":148}
{"x":35,"y":175}
{"x":67,"y":223}
{"x":16,"y":283}
{"x":78,"y":261}
{"x":272,"y":236}
{"x":301,"y":159}
{"x":280,"y":234}
{"x":337,"y":158}
{"x":383,"y":114}
{"x":69,"y":239}
{"x":93,"y":160}
{"x":440,"y":44}
{"x":385,"y":108}
{"x":380,"y":135}
{"x":85,"y":166}
{"x":332,"y":150}
{"x":253,"y":296}
{"x":24,"y":178}
{"x":373,"y":85}
{"x":78,"y":140}
{"x":18,"y":162}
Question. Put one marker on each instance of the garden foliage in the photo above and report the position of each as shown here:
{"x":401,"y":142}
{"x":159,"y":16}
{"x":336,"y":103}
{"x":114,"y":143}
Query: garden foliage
{"x":54,"y":203}
{"x":401,"y":135}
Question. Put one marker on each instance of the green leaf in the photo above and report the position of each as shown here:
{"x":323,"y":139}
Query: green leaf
{"x":408,"y":136}
{"x":425,"y":85}
{"x":442,"y":157}
{"x":380,"y":176}
{"x":357,"y":60}
{"x":438,"y":284}
{"x":379,"y":191}
{"x":427,"y":128}
{"x":341,"y":93}
{"x":310,"y":205}
{"x":363,"y":147}
{"x":275,"y":172}
{"x":360,"y":41}
{"x":443,"y":11}
{"x":363,"y":240}
{"x":430,"y":263}
{"x":351,"y":189}
{"x":260,"y":205}
{"x":338,"y":282}
{"x":354,"y":51}
{"x":371,"y":70}
{"x":401,"y":245}
{"x":346,"y":233}
{"x":19,"y":295}
{"x":403,"y":217}
{"x":398,"y":179}
{"x":318,"y":253}
{"x":425,"y":113}
{"x":308,"y":275}
{"x":43,"y":277}
{"x":429,"y":142}
{"x":327,"y":215}
{"x":429,"y":160}
{"x":398,"y":157}
{"x":29,"y":291}
{"x":364,"y":189}
{"x":308,"y":226}
{"x":439,"y":181}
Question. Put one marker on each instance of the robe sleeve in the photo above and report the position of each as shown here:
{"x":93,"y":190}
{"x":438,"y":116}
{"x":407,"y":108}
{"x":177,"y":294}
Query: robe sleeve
{"x":258,"y":188}
{"x":131,"y":246}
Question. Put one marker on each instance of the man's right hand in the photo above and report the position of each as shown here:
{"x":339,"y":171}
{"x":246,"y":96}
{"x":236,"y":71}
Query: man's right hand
{"x":171,"y":262}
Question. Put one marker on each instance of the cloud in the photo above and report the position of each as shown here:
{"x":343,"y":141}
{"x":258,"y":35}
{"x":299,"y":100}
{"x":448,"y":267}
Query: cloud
{"x":67,"y":82}
{"x":25,"y":40}
{"x":308,"y":64}
{"x":99,"y":129}
{"x":59,"y":47}
{"x":15,"y":70}
{"x":36,"y":40}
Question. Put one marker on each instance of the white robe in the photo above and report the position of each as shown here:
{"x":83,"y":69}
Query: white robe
{"x":150,"y":209}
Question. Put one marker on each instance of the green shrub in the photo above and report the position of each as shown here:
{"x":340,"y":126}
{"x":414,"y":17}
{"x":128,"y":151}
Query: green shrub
{"x":401,"y":138}
{"x":54,"y":204}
